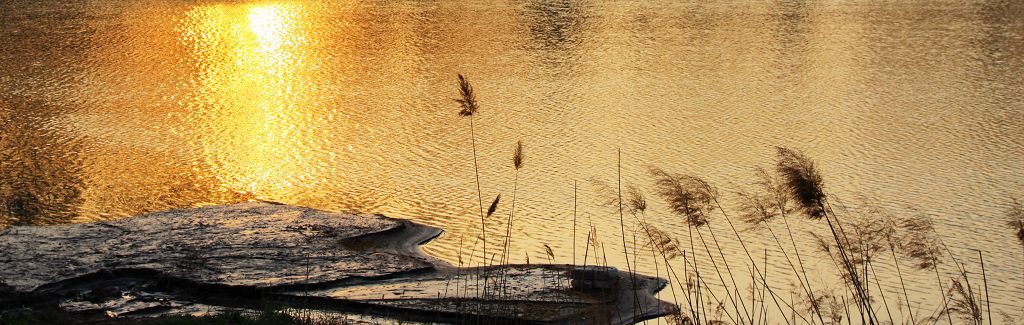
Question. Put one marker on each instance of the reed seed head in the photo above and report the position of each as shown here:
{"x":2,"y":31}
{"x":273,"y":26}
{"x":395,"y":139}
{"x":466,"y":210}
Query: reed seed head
{"x":663,"y":241}
{"x":688,"y":196}
{"x":772,"y":186}
{"x":756,"y":209}
{"x":494,"y":206}
{"x":921,"y":243}
{"x":592,"y":239}
{"x":964,"y":303}
{"x":517,"y":158}
{"x":1016,"y":215}
{"x":635,"y":200}
{"x":468,"y":101}
{"x":802,"y":180}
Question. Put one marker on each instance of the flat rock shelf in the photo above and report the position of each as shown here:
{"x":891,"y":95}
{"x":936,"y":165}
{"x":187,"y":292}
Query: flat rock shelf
{"x":250,"y":255}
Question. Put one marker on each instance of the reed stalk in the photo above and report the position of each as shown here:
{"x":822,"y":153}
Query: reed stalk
{"x":517,"y":163}
{"x":622,"y":227}
{"x":984,"y":279}
{"x":1016,"y":223}
{"x":805,"y":185}
{"x":573,"y":222}
{"x":468,"y":108}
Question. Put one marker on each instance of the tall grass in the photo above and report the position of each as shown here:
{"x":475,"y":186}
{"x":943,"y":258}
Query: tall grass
{"x":805,"y":185}
{"x":853,"y":242}
{"x":468,"y":108}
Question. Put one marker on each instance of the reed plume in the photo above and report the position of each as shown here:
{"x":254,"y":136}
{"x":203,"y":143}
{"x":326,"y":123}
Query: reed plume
{"x":760,"y":208}
{"x":517,"y":157}
{"x":1016,"y":222}
{"x":772,"y":186}
{"x":517,"y":163}
{"x":921,"y":243}
{"x":635,"y":200}
{"x":870,"y":236}
{"x":963,"y":303}
{"x":663,"y":241}
{"x":686,"y":196}
{"x":804,"y":184}
{"x":756,"y":209}
{"x":694,"y":199}
{"x":802,"y":180}
{"x":468,"y":99}
{"x":606,"y":194}
{"x":494,"y":206}
{"x":468,"y":108}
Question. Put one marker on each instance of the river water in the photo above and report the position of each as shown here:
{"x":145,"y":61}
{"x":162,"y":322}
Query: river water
{"x":116,"y":108}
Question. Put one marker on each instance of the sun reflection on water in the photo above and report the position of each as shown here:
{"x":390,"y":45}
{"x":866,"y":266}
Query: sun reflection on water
{"x":251,"y":94}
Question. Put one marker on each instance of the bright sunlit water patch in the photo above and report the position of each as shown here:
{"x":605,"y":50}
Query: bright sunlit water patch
{"x":252,"y":95}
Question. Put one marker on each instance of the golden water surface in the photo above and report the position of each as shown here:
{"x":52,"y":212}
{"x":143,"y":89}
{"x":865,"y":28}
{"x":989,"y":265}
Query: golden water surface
{"x":116,"y":108}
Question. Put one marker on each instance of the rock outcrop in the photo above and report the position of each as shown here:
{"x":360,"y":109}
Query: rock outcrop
{"x":249,"y":255}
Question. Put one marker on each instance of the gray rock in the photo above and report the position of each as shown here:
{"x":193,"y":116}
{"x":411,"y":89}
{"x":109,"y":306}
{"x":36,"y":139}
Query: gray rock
{"x":245,"y":255}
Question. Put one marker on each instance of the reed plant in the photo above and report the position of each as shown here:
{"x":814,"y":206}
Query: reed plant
{"x":1015,"y":214}
{"x":805,"y":185}
{"x":517,"y":164}
{"x":468,"y":107}
{"x":854,"y":242}
{"x":622,"y":227}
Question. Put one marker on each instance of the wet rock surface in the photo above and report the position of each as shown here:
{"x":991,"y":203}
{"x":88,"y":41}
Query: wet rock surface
{"x":244,"y":256}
